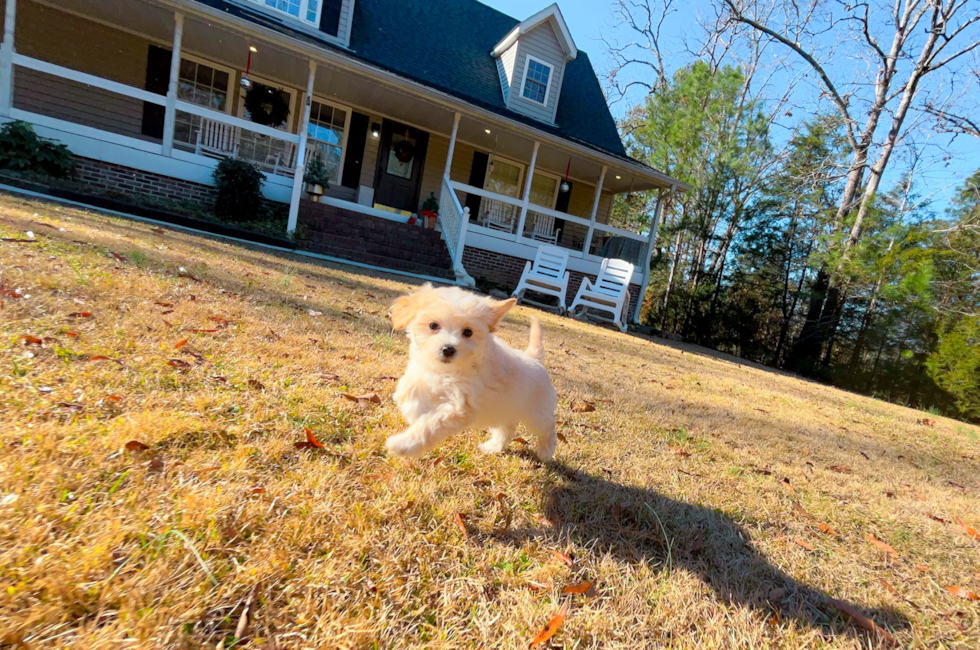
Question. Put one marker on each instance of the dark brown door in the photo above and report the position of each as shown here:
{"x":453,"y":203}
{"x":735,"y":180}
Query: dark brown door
{"x":400,"y":162}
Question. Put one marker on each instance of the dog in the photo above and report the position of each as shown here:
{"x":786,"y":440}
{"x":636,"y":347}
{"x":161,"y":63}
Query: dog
{"x":460,"y":376}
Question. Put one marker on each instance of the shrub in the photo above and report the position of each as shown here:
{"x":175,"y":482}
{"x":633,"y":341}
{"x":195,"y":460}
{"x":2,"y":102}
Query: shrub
{"x":239,"y":185}
{"x":22,"y":150}
{"x":316,"y":172}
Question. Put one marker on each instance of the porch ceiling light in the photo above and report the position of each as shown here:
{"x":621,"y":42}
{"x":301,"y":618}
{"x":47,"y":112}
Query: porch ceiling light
{"x":618,"y":177}
{"x":375,"y":130}
{"x":487,"y":131}
{"x":253,"y":49}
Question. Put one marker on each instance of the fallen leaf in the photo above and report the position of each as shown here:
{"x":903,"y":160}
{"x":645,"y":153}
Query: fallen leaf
{"x":561,"y":436}
{"x":80,"y":314}
{"x":963,"y":593}
{"x":577,"y":588}
{"x":462,"y":526}
{"x":367,"y":397}
{"x":800,"y":510}
{"x":166,"y":305}
{"x":310,"y":443}
{"x":113,"y":398}
{"x":207,"y":470}
{"x":255,"y":384}
{"x":544,"y":521}
{"x":581,"y":406}
{"x":223,"y":380}
{"x":178,"y":363}
{"x":540,"y":586}
{"x":198,"y":330}
{"x":883,"y":546}
{"x":71,"y":334}
{"x":824,"y":528}
{"x":789,"y":486}
{"x":762,"y":411}
{"x":887,"y":585}
{"x":258,"y":489}
{"x":564,"y":559}
{"x":969,"y":531}
{"x":939,"y":519}
{"x":520,"y":441}
{"x":863,"y":620}
{"x":680,"y":451}
{"x":929,"y":422}
{"x":136,"y":445}
{"x":31,"y":340}
{"x":802,"y":542}
{"x":180,"y":344}
{"x":922,"y":567}
{"x":552,"y":627}
{"x":155,"y":463}
{"x":99,"y":357}
{"x":840,"y":469}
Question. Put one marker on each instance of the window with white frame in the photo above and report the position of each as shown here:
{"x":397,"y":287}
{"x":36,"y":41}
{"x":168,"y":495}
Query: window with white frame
{"x":204,"y":85}
{"x":537,"y":77}
{"x":305,"y":10}
{"x":328,"y":135}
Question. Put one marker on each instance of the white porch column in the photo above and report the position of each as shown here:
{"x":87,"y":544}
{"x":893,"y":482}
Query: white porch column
{"x":449,"y":158}
{"x":170,"y":117}
{"x":648,"y":251}
{"x":527,"y":190}
{"x":301,"y":153}
{"x":7,"y":59}
{"x":595,"y":210}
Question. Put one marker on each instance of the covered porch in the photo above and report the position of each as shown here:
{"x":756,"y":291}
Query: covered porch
{"x":156,"y":87}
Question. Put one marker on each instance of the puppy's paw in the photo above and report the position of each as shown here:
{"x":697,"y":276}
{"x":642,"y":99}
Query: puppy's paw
{"x":404,"y":444}
{"x":545,"y":450}
{"x":493,"y":446}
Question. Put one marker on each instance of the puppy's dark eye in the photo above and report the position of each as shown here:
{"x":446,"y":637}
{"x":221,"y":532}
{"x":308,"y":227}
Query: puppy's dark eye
{"x":434,"y":326}
{"x":467,"y":332}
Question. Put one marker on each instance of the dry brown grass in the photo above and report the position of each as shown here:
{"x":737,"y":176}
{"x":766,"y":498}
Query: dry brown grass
{"x":670,"y":495}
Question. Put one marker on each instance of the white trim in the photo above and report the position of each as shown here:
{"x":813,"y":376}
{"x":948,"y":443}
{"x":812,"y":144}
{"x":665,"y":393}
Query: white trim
{"x":84,"y":131}
{"x":547,"y":86}
{"x":479,"y":191}
{"x":173,"y":86}
{"x":293,"y":251}
{"x":217,"y":116}
{"x":527,"y":189}
{"x":595,"y":208}
{"x":91,"y":80}
{"x":7,"y":54}
{"x":343,"y":145}
{"x":304,"y":6}
{"x":304,"y":137}
{"x":551,"y":12}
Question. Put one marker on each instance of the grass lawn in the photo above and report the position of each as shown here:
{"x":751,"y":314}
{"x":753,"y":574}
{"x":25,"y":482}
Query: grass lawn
{"x":154,"y":384}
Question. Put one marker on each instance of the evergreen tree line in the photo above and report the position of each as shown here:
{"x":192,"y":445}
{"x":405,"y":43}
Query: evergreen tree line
{"x":758,"y":261}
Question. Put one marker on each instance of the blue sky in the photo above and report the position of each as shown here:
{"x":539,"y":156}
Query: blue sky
{"x":592,"y":20}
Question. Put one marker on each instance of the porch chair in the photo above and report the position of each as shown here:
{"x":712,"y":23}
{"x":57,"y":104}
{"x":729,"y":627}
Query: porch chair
{"x":543,"y":229}
{"x":216,"y":139}
{"x":609,"y":293}
{"x":547,"y":275}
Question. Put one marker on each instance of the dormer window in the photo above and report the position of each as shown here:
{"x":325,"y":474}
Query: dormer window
{"x":305,"y":10}
{"x":537,"y":75}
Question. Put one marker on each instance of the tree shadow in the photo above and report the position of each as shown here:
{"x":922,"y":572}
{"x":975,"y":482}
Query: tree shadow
{"x":637,"y":525}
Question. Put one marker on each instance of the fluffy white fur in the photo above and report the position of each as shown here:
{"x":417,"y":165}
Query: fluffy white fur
{"x":460,"y":376}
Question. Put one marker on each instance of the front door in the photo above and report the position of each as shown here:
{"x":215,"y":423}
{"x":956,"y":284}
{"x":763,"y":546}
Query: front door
{"x":400,"y":162}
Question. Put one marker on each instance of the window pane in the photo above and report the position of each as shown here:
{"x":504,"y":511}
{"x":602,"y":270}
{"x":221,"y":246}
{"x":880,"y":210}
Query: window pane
{"x":220,"y":80}
{"x":187,"y":69}
{"x":536,"y":82}
{"x":543,"y":191}
{"x":504,"y":179}
{"x":311,"y":10}
{"x":205,"y":75}
{"x":339,"y":118}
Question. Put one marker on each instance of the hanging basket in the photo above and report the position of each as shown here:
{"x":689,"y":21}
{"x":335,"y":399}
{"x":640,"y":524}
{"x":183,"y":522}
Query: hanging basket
{"x":266,"y":105}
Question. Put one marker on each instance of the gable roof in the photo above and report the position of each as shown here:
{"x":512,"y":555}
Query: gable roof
{"x":552,"y":13}
{"x":446,"y":45}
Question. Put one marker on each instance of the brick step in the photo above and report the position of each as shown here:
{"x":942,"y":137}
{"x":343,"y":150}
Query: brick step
{"x":385,"y":262}
{"x":437,"y":255}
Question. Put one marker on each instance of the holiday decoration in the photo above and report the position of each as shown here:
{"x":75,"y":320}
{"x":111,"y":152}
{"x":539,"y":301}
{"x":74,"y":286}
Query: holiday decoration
{"x":266,"y":105}
{"x":404,"y":150}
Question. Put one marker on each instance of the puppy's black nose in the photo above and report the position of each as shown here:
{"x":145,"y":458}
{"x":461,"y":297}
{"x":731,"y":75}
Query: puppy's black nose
{"x":448,"y":351}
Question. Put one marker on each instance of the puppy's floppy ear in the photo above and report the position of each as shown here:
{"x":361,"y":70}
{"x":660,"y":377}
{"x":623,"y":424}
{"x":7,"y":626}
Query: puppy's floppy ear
{"x":497,"y":310}
{"x":403,"y":311}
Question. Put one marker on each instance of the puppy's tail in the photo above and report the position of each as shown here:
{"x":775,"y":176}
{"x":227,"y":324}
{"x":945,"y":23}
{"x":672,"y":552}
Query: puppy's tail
{"x":535,"y":347}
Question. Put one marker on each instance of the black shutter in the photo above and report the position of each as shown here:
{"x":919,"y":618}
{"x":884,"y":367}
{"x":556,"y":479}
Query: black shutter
{"x":561,"y":205}
{"x":330,"y":17}
{"x":356,"y":139}
{"x":478,"y":174}
{"x":157,"y":81}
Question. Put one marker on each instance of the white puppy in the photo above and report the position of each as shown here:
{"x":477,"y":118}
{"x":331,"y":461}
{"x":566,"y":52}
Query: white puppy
{"x":460,"y":376}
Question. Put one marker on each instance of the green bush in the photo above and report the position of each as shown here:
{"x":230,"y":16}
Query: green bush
{"x":239,"y":185}
{"x":317,"y":172}
{"x":22,"y":150}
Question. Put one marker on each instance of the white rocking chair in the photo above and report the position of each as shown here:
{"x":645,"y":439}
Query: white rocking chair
{"x":547,"y":275}
{"x":543,"y":229}
{"x":609,"y":293}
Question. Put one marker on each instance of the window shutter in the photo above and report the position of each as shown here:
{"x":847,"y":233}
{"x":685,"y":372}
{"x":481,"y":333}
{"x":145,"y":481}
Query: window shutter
{"x":157,"y":81}
{"x":356,"y":139}
{"x":478,"y":174}
{"x":330,"y":17}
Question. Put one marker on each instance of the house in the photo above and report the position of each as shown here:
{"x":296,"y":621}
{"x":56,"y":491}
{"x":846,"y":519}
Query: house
{"x":502,"y":120}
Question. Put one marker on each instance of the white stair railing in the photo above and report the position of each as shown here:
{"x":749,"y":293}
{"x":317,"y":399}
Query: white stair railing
{"x":454,"y":219}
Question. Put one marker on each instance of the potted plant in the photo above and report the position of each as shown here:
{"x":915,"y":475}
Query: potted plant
{"x":430,"y":210}
{"x":317,"y":177}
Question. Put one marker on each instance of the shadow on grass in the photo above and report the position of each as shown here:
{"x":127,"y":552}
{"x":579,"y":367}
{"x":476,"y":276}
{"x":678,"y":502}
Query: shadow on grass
{"x":637,"y":525}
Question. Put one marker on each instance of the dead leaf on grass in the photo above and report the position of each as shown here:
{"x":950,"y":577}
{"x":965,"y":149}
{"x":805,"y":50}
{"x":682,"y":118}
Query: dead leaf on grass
{"x":31,"y":340}
{"x":863,"y":620}
{"x":180,"y":344}
{"x":561,"y":436}
{"x":577,"y":588}
{"x":887,"y":585}
{"x":882,"y":545}
{"x":552,"y":627}
{"x":680,"y":451}
{"x":310,"y":443}
{"x":178,"y":363}
{"x":789,"y":486}
{"x":928,"y":422}
{"x":935,"y":518}
{"x":802,"y":542}
{"x":922,"y":567}
{"x":462,"y":526}
{"x":969,"y":531}
{"x":81,"y":314}
{"x":360,"y":399}
{"x":257,"y":489}
{"x":520,"y":441}
{"x":540,"y":586}
{"x":255,"y":384}
{"x":582,"y":406}
{"x":136,"y":445}
{"x":564,"y":559}
{"x":824,"y":528}
{"x":544,"y":521}
{"x":840,"y":469}
{"x":800,"y":510}
{"x":962,"y":592}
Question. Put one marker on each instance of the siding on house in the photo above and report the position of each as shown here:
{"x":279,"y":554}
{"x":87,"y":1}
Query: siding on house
{"x":371,"y":146}
{"x":344,"y":25}
{"x":505,"y":66}
{"x":541,"y":43}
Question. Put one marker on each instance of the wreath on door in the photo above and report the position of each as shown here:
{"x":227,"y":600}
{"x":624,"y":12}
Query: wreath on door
{"x":267,"y":106}
{"x":404,"y":151}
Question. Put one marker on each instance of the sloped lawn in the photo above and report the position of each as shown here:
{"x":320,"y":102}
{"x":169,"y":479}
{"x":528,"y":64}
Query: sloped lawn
{"x":154,"y":386}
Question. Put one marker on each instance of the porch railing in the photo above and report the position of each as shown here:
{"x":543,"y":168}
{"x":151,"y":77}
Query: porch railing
{"x":454,"y":220}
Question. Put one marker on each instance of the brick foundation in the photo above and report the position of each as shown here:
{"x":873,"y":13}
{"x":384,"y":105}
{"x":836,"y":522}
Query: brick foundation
{"x":506,"y":270}
{"x":337,"y":232}
{"x":108,"y":178}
